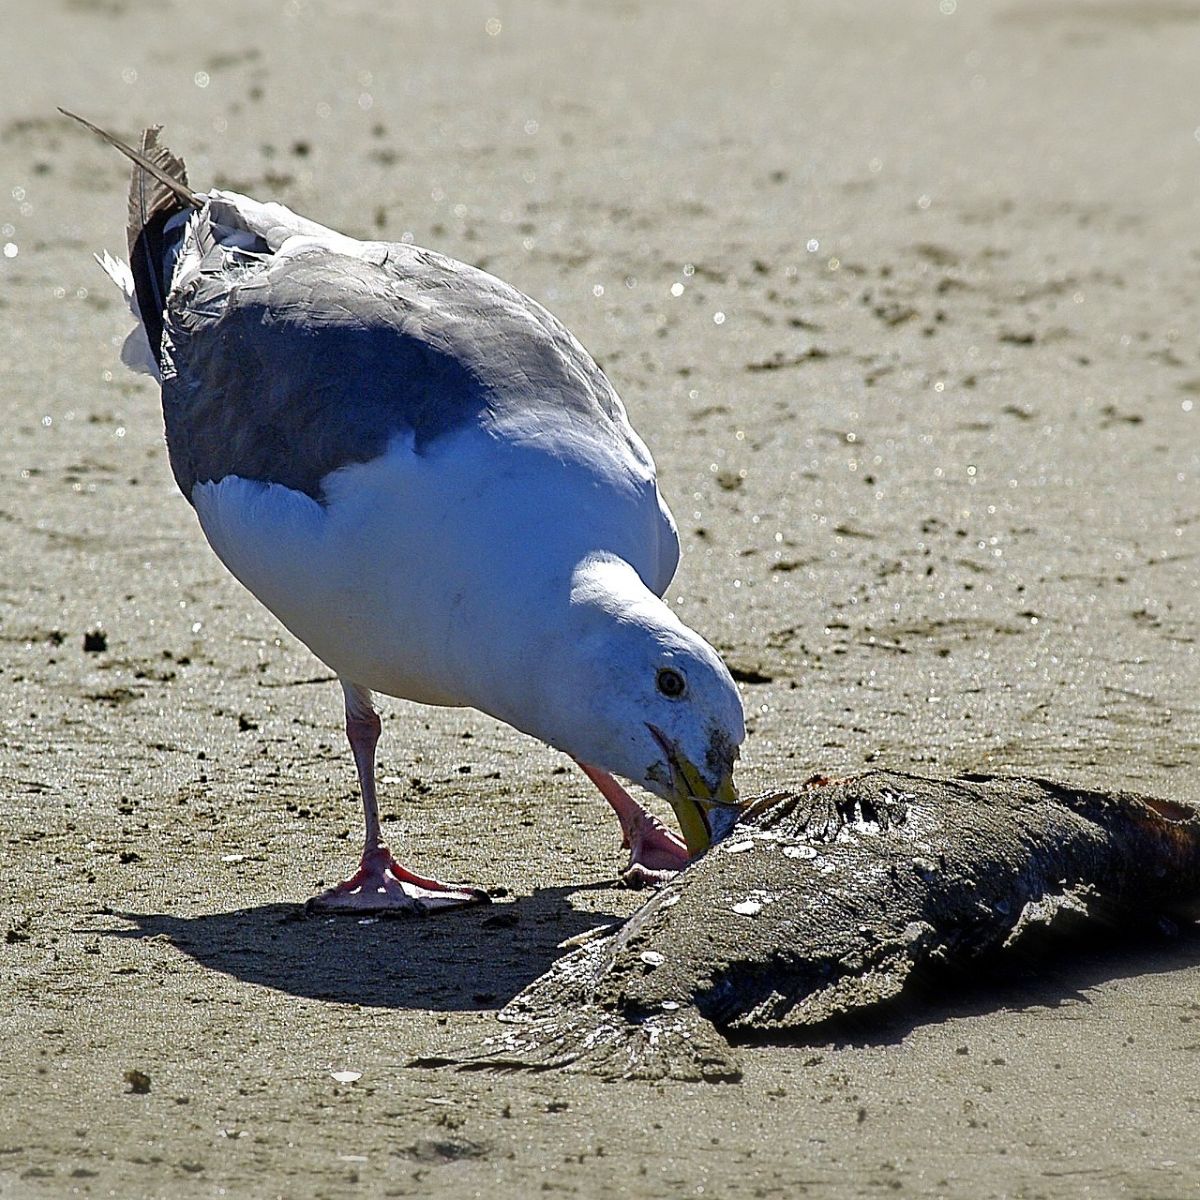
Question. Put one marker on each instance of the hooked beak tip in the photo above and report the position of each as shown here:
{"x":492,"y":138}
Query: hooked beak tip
{"x":706,"y":814}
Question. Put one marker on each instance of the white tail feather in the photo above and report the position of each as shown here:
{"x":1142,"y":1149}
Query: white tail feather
{"x":135,"y":353}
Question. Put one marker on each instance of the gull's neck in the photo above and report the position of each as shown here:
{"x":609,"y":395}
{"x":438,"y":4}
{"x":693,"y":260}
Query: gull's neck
{"x":532,"y":673}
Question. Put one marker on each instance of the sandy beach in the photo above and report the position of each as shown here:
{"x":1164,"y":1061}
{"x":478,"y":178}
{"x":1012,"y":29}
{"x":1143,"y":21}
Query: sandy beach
{"x":904,"y":299}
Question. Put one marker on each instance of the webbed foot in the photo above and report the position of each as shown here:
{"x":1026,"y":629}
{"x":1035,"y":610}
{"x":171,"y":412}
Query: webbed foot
{"x":382,"y":885}
{"x":655,"y":853}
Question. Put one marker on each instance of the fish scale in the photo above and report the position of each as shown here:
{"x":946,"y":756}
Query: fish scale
{"x":846,"y":892}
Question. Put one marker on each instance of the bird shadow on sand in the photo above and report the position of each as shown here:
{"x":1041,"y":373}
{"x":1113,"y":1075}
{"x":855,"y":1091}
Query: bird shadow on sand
{"x":1045,"y":972}
{"x":472,"y":958}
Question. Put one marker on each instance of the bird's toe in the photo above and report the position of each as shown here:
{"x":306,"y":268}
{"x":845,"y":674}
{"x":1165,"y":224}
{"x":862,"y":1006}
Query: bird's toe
{"x":381,"y":885}
{"x":637,"y":876}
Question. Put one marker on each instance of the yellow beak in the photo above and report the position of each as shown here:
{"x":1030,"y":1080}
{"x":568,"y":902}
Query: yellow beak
{"x":704,"y":815}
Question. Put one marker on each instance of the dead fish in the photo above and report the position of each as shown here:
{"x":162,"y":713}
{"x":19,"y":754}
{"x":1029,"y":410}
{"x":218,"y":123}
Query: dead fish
{"x":823,"y":900}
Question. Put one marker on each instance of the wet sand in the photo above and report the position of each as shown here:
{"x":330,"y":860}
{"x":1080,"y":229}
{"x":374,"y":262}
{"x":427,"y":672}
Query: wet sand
{"x":905,"y":303}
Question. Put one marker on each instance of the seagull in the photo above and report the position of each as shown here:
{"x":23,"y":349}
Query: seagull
{"x":426,"y":478}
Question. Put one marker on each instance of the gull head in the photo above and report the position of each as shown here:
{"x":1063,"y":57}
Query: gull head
{"x":638,"y":694}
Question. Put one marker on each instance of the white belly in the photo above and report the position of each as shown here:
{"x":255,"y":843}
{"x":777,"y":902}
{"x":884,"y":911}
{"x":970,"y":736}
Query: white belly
{"x":410,"y":578}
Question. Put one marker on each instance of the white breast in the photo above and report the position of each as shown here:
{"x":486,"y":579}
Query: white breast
{"x":431,"y":576}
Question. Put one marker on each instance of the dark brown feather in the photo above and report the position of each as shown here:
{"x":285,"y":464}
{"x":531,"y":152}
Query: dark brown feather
{"x":149,"y":197}
{"x":152,"y":203}
{"x":158,"y":190}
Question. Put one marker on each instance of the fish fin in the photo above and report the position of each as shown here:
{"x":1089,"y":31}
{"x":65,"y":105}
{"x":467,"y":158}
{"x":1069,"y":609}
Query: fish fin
{"x":678,"y":1045}
{"x":822,"y":808}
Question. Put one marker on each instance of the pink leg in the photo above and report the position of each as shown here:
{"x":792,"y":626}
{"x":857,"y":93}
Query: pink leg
{"x":381,"y":884}
{"x":655,"y":853}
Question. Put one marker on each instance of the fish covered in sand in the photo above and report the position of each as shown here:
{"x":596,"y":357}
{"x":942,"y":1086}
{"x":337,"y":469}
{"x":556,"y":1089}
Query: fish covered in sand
{"x":826,"y":901}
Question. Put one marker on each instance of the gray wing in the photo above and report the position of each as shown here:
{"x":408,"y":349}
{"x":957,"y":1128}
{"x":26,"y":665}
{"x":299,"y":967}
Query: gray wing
{"x":283,"y":368}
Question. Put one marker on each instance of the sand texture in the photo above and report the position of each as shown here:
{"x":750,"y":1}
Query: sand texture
{"x":903,"y":297}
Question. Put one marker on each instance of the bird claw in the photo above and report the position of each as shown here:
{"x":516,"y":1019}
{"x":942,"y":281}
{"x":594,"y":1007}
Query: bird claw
{"x":636,"y":876}
{"x":656,"y":855}
{"x":382,"y":885}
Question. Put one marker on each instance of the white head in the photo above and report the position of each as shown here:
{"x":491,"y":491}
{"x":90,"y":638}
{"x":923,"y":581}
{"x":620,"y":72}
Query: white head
{"x":632,"y":690}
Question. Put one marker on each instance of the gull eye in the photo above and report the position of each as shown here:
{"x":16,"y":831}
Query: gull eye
{"x":671,"y":683}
